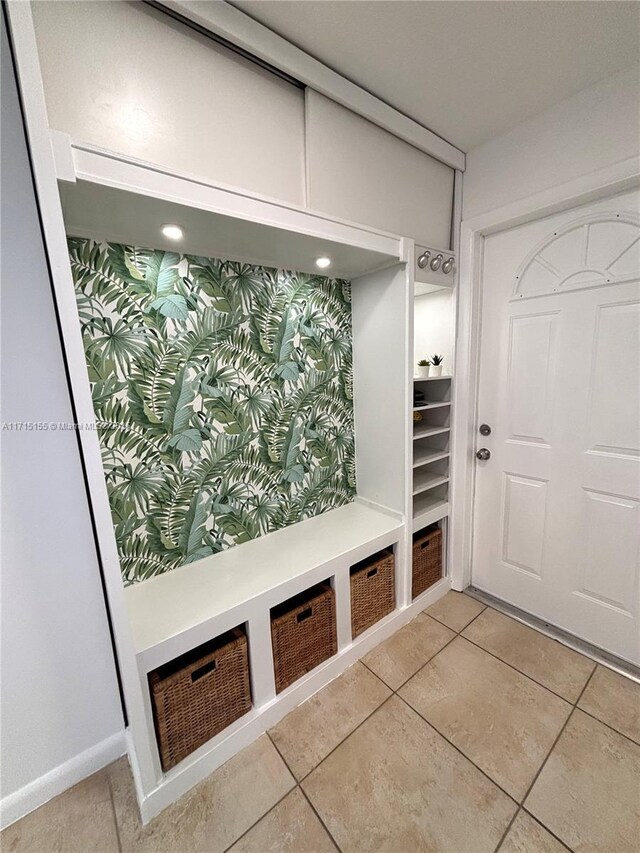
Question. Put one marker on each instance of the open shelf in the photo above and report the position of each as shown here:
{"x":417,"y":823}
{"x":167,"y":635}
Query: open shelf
{"x":173,"y":604}
{"x":430,"y":378}
{"x":424,"y":457}
{"x":428,"y":431}
{"x":422,"y":482}
{"x":430,"y":406}
{"x":427,"y":509}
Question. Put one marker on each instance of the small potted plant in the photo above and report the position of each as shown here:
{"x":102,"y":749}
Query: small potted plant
{"x":424,"y":365}
{"x":435,"y":368}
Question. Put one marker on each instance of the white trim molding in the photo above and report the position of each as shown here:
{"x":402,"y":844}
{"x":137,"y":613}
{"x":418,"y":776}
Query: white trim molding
{"x":612,"y":180}
{"x":35,"y":794}
{"x":235,"y":26}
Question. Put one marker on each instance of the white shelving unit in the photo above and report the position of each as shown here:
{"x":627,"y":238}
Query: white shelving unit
{"x":113,"y":198}
{"x":427,"y":509}
{"x":87,"y":191}
{"x":176,"y":611}
{"x":431,"y":451}
{"x":424,"y":482}
{"x":423,"y":457}
{"x":426,"y":432}
{"x":430,"y":406}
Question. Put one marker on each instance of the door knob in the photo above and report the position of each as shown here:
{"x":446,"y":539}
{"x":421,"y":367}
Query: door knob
{"x":483,"y":454}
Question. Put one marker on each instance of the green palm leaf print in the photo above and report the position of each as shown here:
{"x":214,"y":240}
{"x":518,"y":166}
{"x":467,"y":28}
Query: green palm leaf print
{"x":223,"y":395}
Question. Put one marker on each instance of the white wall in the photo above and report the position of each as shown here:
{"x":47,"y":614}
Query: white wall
{"x":61,"y":717}
{"x":595,"y":128}
{"x":434,"y":327}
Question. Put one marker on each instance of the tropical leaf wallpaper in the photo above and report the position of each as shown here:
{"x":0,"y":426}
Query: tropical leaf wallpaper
{"x":223,"y":395}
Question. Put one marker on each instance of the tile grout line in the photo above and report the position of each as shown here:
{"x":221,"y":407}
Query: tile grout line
{"x":607,"y":725}
{"x":546,"y":828}
{"x":458,"y":750}
{"x":361,"y":723}
{"x":426,"y":663}
{"x":553,"y":746}
{"x":395,"y":693}
{"x":515,"y":668}
{"x":522,"y":810}
{"x":421,"y":667}
{"x":317,"y":814}
{"x":507,"y":830}
{"x":113,"y":803}
{"x":435,"y":654}
{"x":574,"y":704}
{"x":304,"y":793}
{"x":502,"y":660}
{"x":520,"y":803}
{"x":256,"y":822}
{"x":440,"y":622}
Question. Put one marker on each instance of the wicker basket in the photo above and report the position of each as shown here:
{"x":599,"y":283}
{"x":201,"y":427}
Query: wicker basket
{"x":199,"y":694}
{"x":427,"y":559}
{"x":372,"y":590}
{"x":303,"y":632}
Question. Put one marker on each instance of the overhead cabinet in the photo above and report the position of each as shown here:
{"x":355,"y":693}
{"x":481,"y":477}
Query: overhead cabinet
{"x":137,"y":82}
{"x":360,"y":172}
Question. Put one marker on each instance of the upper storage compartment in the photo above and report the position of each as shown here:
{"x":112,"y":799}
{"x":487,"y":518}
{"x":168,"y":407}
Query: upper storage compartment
{"x":360,"y":172}
{"x":138,"y":83}
{"x":135,"y":81}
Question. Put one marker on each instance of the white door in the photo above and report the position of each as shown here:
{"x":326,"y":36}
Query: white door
{"x":557,"y":506}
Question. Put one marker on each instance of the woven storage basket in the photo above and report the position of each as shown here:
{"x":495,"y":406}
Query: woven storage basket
{"x":372,"y":590}
{"x":199,"y":694}
{"x":303,"y":632}
{"x":427,"y":559}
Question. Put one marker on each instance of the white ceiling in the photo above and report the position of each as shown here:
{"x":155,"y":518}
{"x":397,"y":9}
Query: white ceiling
{"x":468,"y":70}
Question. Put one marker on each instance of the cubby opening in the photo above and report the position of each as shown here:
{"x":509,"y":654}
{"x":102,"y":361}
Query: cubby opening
{"x":373,"y":595}
{"x":200,"y":693}
{"x":303,"y":633}
{"x":427,"y":565}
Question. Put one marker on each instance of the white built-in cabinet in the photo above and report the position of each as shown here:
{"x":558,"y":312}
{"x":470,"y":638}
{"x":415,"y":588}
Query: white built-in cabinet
{"x":360,"y":172}
{"x":135,"y":81}
{"x":119,"y":195}
{"x":138,"y":82}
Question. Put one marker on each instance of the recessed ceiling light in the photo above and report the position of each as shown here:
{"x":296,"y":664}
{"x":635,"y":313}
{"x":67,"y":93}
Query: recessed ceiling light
{"x":323,"y":262}
{"x":173,"y":232}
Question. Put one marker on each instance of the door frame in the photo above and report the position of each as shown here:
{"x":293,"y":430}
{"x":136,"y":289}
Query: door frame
{"x":611,"y":180}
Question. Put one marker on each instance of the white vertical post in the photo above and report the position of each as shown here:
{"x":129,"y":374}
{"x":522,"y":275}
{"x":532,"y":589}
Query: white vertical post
{"x":263,"y":684}
{"x":342,"y":588}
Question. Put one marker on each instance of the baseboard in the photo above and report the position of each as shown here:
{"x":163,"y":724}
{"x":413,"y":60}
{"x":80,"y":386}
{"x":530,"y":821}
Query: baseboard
{"x":41,"y":790}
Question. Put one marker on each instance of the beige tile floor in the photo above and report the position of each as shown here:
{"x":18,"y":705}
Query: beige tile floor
{"x":465,"y":731}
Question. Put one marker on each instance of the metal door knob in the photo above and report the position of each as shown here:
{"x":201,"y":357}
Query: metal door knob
{"x":483,"y":454}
